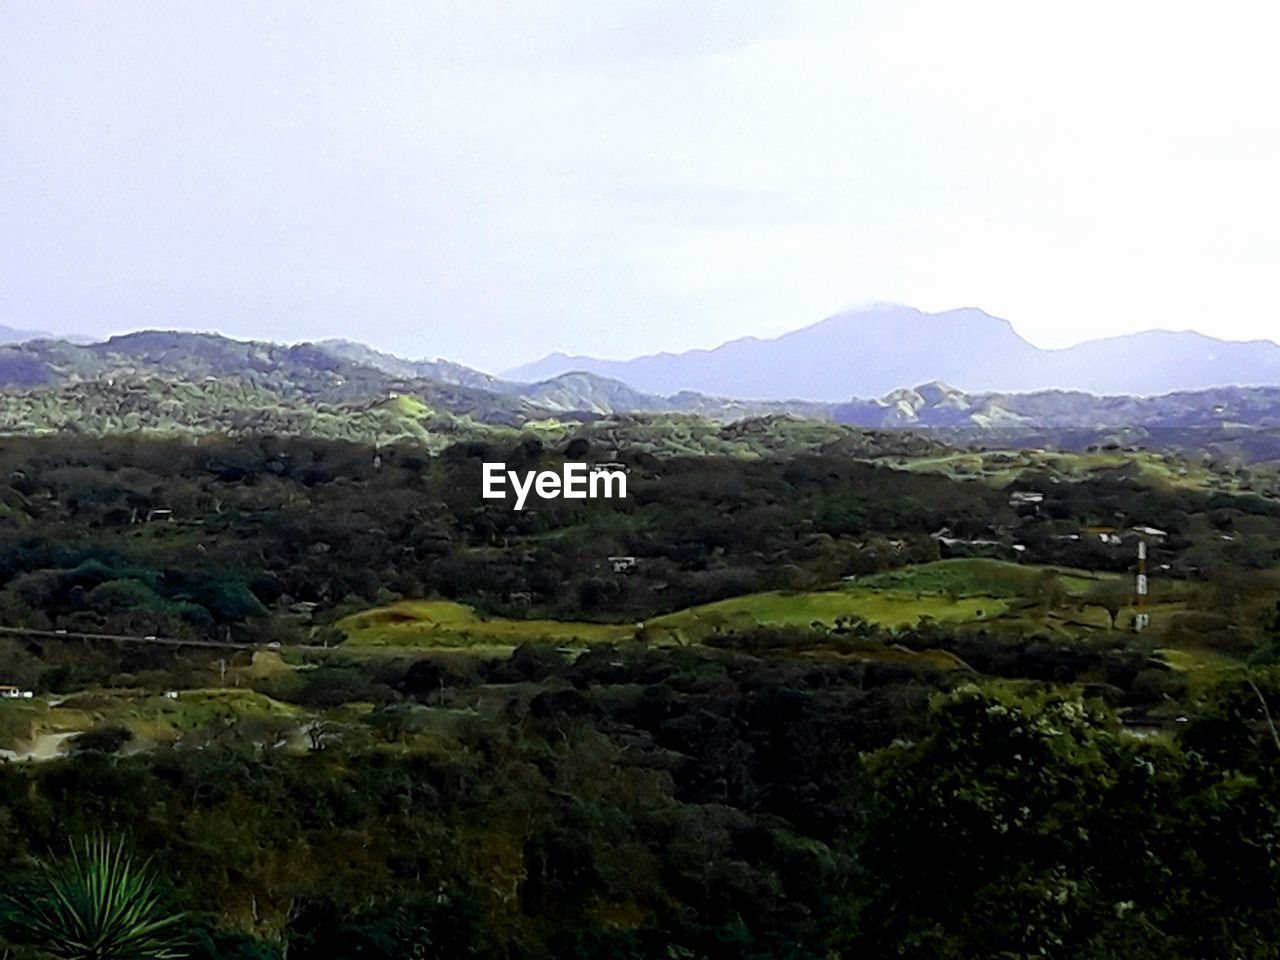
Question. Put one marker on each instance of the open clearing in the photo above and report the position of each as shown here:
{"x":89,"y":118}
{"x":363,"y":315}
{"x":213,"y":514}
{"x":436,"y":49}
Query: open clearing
{"x":444,"y":624}
{"x":884,"y":607}
{"x":39,"y":729}
{"x":950,"y":591}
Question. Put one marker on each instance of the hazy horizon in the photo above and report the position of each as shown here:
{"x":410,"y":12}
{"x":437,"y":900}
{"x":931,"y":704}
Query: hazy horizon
{"x":854,"y":307}
{"x":656,"y":350}
{"x":489,"y":184}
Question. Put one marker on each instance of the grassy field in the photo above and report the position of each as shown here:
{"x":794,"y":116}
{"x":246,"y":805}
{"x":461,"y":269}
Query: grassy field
{"x":977,"y":592}
{"x":973,"y":591}
{"x":953,"y":591}
{"x":414,"y":624}
{"x":884,"y":607}
{"x":920,"y":591}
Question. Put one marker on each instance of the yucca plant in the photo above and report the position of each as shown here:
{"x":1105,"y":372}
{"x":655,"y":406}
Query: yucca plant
{"x":101,"y":904}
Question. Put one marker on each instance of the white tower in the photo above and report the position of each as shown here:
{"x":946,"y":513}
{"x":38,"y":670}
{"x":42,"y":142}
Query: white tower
{"x":1141,"y":619}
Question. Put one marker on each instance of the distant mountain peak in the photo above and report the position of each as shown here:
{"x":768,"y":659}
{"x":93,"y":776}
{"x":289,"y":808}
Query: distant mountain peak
{"x":872,"y":349}
{"x":15,"y":335}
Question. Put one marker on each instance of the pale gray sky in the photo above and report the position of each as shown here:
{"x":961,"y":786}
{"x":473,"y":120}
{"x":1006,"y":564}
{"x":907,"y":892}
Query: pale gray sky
{"x":490,"y":181}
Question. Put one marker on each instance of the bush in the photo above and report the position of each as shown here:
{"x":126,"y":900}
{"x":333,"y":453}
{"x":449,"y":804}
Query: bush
{"x":107,"y":738}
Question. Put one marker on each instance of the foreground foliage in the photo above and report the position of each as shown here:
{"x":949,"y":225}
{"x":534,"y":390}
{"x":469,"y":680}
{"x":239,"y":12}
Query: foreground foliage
{"x":101,"y":904}
{"x":682,"y":803}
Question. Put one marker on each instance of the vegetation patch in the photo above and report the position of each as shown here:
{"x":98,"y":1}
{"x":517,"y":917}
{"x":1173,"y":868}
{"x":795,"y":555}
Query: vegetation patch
{"x":784,"y":608}
{"x":445,"y":624}
{"x":967,"y":577}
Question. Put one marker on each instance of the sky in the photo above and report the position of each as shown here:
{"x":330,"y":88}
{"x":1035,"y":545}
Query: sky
{"x":491,"y":181}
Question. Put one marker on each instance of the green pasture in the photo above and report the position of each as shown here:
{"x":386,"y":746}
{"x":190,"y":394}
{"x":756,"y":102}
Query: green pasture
{"x":887,"y":608}
{"x":413,"y":624}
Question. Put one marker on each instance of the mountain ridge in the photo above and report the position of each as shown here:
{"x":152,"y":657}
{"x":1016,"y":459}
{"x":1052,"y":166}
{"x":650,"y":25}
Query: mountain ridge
{"x":208,"y":381}
{"x":14,"y":335}
{"x":869,"y":351}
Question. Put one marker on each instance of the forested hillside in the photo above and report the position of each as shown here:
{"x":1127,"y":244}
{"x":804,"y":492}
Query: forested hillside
{"x":863,"y":696}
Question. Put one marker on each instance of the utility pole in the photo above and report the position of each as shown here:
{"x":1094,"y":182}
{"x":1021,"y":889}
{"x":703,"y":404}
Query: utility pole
{"x":1141,"y":619}
{"x":1146,"y":535}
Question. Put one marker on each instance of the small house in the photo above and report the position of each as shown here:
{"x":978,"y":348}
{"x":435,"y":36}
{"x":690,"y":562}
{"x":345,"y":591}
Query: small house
{"x":623,"y":564}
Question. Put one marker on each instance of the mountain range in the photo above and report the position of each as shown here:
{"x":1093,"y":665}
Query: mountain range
{"x":171,"y":381}
{"x":873,"y":350}
{"x":342,"y":372}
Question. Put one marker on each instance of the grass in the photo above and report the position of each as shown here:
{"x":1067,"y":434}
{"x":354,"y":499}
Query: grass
{"x":408,"y":406}
{"x":23,"y":721}
{"x":784,"y":608}
{"x":156,"y":719}
{"x":267,"y":665}
{"x":978,"y":577}
{"x":951,"y":591}
{"x":891,"y":653}
{"x":20,"y":720}
{"x":151,"y":718}
{"x":1195,"y":660}
{"x":413,"y":624}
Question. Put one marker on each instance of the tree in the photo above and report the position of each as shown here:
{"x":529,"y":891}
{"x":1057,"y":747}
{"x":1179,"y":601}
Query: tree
{"x":1112,"y":595}
{"x":1023,"y":825}
{"x":1045,"y":591}
{"x":397,"y":722}
{"x":105,"y":738}
{"x":101,"y":905}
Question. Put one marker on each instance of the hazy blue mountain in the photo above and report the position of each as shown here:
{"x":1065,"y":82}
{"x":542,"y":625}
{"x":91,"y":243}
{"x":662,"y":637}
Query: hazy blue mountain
{"x":873,"y":350}
{"x":13,"y":335}
{"x":575,"y":392}
{"x":444,"y":371}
